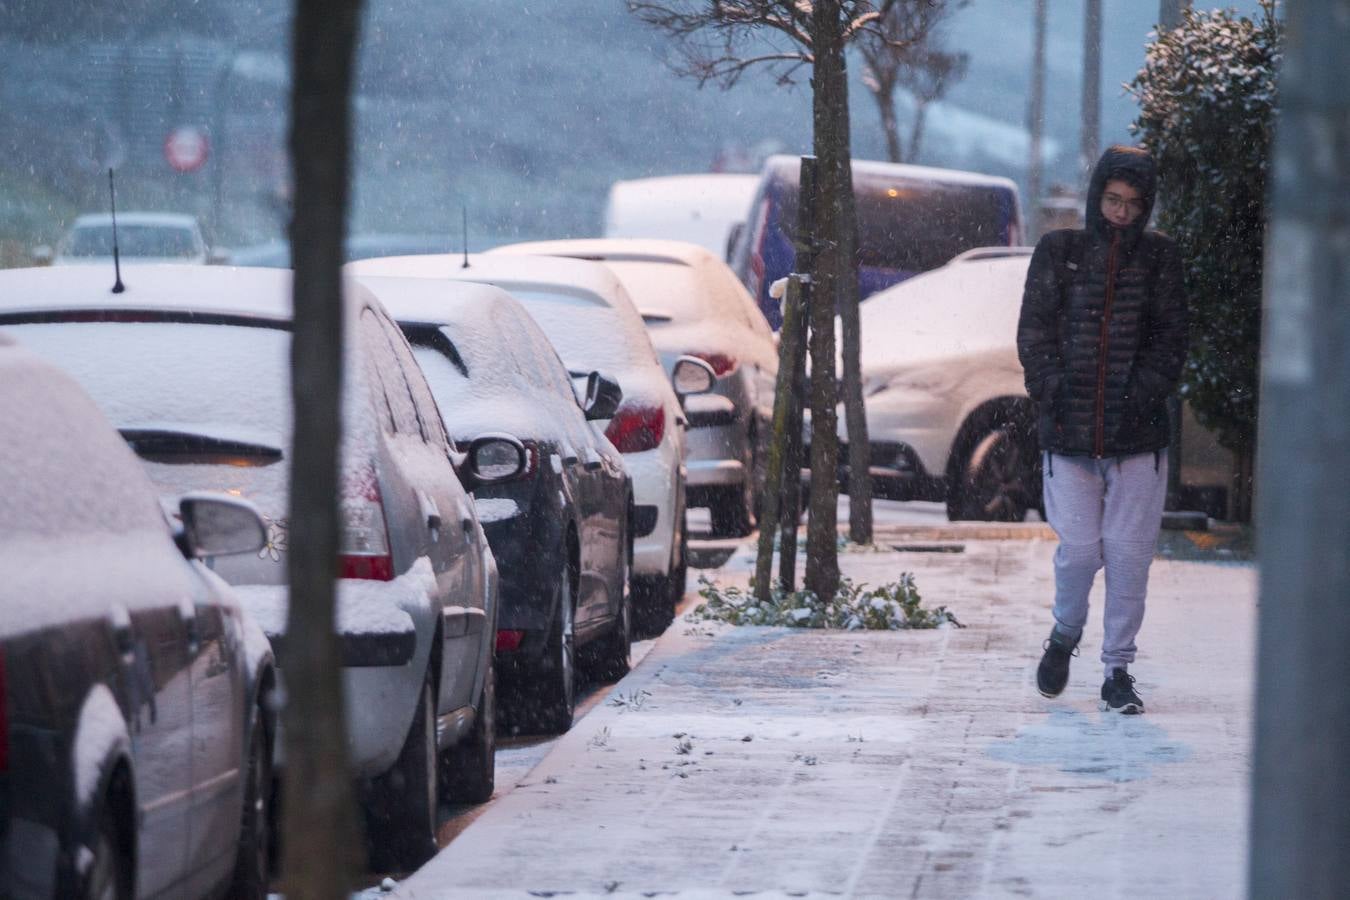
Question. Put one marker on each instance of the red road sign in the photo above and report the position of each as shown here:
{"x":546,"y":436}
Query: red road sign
{"x":186,"y":148}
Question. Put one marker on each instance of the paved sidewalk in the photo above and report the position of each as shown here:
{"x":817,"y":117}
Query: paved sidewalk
{"x":781,"y":762}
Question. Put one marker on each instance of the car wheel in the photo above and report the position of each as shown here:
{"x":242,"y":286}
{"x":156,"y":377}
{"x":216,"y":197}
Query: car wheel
{"x":109,"y":874}
{"x":471,"y":765}
{"x":253,"y":864}
{"x":547,"y":699}
{"x":732,"y":511}
{"x":996,"y":481}
{"x":609,"y":659}
{"x":401,"y":816}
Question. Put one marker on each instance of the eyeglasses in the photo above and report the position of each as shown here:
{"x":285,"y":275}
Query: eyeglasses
{"x":1117,"y":202}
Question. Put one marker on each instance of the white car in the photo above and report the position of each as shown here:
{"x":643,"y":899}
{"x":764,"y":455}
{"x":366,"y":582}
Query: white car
{"x":693,"y":305}
{"x":703,"y":209}
{"x":142,"y":237}
{"x":589,"y":317}
{"x":948,"y":417}
{"x":193,"y":367}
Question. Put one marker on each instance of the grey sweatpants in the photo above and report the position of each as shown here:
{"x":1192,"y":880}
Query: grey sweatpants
{"x":1106,"y":512}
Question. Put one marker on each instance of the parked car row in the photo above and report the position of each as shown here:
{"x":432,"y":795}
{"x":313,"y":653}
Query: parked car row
{"x":513,"y":481}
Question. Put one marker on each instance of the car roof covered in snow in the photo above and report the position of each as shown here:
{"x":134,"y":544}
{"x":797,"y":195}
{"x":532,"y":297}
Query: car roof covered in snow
{"x":513,"y":273}
{"x":679,"y":253}
{"x":787,"y":168}
{"x":963,"y":307}
{"x":204,"y":290}
{"x":173,"y":220}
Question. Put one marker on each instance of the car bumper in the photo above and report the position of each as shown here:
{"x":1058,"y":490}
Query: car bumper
{"x":656,"y":480}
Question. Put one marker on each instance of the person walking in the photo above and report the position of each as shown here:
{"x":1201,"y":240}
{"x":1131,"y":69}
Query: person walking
{"x":1102,"y":337}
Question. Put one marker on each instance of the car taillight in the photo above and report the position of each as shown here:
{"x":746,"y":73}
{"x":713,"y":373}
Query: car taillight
{"x":508,"y":640}
{"x":4,"y":717}
{"x":364,"y":544}
{"x":720,"y":362}
{"x":636,"y":428}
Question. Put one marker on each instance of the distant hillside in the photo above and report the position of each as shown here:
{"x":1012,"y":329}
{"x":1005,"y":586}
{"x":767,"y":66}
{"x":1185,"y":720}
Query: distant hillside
{"x":523,"y":111}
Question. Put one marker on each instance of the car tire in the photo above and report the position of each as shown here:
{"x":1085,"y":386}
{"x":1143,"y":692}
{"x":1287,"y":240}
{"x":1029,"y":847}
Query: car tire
{"x":401,"y":814}
{"x":655,"y":598}
{"x":732,"y":511}
{"x":253,"y":864}
{"x":109,"y":874}
{"x":546,"y":700}
{"x":609,"y":661}
{"x":996,"y":480}
{"x":470,"y":766}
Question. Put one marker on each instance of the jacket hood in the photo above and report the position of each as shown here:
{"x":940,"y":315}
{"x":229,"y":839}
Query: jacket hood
{"x":1134,"y":165}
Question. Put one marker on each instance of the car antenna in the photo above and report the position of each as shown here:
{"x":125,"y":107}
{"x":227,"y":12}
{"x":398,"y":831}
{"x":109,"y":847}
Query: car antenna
{"x":464,"y":213}
{"x":117,"y":262}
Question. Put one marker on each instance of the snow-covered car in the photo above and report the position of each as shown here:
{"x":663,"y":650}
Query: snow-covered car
{"x":559,"y":530}
{"x":948,"y":417}
{"x":136,"y":728}
{"x":693,"y":305}
{"x":143,"y":237}
{"x":193,"y":367}
{"x":588,"y":316}
{"x":702,"y":209}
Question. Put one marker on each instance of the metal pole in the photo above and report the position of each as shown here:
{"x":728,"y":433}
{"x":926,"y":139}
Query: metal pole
{"x":1301,"y":783}
{"x":1092,"y":85}
{"x":1035,"y":126}
{"x":1169,"y":12}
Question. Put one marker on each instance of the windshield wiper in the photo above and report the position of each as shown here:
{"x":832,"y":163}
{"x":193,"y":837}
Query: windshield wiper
{"x":172,"y":442}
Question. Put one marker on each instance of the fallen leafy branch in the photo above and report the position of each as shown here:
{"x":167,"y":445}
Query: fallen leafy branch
{"x":888,"y":607}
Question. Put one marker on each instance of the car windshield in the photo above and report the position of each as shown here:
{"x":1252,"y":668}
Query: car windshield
{"x":133,"y":240}
{"x":914,"y":226}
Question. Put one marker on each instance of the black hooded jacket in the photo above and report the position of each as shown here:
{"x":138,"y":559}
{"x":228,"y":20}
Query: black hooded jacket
{"x":1102,"y":333}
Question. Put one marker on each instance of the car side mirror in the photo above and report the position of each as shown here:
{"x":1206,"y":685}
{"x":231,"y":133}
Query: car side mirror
{"x":216,"y":525}
{"x":692,"y":376}
{"x":493,"y":458}
{"x":43,"y":254}
{"x":603,"y":396}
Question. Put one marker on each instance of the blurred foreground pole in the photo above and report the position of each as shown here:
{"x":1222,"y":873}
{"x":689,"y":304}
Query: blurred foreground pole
{"x":1036,"y":127}
{"x":1301,"y":784}
{"x":1089,"y":149}
{"x":321,"y":853}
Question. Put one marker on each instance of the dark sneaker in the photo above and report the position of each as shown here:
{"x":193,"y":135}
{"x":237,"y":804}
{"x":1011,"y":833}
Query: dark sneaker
{"x":1053,"y":672}
{"x":1118,"y":694}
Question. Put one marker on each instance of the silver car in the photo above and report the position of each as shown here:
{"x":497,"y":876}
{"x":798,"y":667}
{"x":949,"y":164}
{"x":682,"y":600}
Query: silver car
{"x":693,"y":305}
{"x":192,"y":365}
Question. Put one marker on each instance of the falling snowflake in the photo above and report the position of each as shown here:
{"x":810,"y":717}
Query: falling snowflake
{"x":276,"y":539}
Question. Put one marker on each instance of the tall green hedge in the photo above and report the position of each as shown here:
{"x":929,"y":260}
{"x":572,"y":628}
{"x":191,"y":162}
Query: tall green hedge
{"x":1207,"y":99}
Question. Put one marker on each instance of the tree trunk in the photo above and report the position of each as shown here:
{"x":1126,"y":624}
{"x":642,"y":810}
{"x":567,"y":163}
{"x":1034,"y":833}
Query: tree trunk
{"x":777,"y":470}
{"x":320,"y":844}
{"x":916,"y":130}
{"x":1244,"y":468}
{"x":840,"y":231}
{"x":822,"y":561}
{"x":885,"y":97}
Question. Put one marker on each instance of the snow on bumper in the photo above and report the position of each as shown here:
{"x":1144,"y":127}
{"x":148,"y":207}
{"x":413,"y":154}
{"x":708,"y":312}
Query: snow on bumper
{"x":386,"y":629}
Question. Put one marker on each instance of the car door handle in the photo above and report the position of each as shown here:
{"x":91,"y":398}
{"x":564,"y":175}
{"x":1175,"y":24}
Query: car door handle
{"x":431,"y":514}
{"x":187,"y":614}
{"x":121,"y":627}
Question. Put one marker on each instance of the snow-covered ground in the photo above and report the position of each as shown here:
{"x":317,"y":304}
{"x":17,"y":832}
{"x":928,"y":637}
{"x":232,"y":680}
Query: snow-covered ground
{"x":797,"y":763}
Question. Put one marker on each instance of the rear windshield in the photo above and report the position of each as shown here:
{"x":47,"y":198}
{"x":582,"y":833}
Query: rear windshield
{"x":664,"y":290}
{"x":229,"y":380}
{"x":915,"y":226}
{"x":132,"y":240}
{"x":588,"y":334}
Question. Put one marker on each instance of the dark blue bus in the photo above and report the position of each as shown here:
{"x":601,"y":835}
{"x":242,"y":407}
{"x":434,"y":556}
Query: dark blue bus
{"x":910,"y":219}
